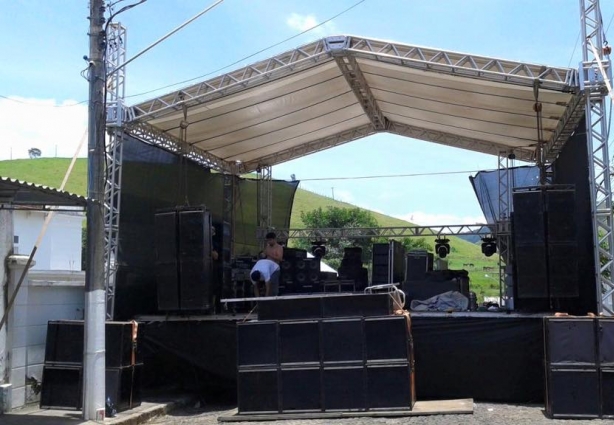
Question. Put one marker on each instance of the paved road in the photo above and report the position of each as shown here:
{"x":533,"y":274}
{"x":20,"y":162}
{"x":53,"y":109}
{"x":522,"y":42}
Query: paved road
{"x":491,"y":414}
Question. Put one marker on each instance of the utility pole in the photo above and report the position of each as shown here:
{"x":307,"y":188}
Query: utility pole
{"x":95,"y":295}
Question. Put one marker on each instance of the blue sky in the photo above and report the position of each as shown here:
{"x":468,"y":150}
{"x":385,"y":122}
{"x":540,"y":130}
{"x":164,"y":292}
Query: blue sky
{"x":44,"y":42}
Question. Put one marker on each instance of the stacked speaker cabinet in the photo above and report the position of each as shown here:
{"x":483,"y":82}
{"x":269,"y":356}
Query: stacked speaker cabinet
{"x":63,"y":370}
{"x":183,"y":259}
{"x":388,"y":263}
{"x":325,"y":365}
{"x":545,"y":247}
{"x":579,"y":367}
{"x":299,"y":274}
{"x":351,"y":268}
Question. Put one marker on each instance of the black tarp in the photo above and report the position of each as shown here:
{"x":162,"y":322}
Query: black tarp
{"x":487,"y":358}
{"x":486,"y":187}
{"x":153,"y":179}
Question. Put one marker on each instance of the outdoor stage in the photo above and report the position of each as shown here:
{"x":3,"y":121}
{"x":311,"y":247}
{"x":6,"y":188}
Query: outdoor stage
{"x":485,"y":356}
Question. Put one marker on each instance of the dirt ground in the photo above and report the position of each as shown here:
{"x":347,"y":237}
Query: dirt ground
{"x":491,"y":414}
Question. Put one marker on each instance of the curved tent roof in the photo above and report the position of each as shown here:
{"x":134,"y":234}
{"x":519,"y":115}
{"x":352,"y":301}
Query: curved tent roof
{"x":342,"y":88}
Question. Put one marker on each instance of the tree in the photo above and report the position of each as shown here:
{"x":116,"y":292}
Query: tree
{"x":34,"y":153}
{"x":416,"y":243}
{"x":334,"y":217}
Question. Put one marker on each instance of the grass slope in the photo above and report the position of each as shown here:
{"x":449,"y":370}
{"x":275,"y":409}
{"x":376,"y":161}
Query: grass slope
{"x":50,"y":172}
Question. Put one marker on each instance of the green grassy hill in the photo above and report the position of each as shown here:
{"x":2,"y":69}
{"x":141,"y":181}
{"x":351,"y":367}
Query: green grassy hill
{"x":50,"y":172}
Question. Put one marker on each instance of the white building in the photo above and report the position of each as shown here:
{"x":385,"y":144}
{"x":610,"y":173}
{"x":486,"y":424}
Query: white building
{"x":53,"y":288}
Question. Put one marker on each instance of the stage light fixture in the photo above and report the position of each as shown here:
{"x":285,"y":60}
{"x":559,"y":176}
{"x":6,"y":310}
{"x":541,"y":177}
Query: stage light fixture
{"x":442,"y":247}
{"x":318,"y":249}
{"x":489,"y":246}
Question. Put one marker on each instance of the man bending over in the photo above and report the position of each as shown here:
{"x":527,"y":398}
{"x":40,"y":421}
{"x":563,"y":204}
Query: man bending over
{"x":266,"y":271}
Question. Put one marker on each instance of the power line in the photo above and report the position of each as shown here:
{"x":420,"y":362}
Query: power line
{"x":253,"y":54}
{"x":388,"y":176}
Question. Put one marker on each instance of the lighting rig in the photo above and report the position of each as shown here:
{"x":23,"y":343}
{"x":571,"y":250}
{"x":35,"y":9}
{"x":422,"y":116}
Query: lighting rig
{"x":318,"y":249}
{"x":442,"y":247}
{"x":489,"y":246}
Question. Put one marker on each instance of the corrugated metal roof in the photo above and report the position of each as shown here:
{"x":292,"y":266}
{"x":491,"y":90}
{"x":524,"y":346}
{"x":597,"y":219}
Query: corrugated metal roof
{"x":15,"y":192}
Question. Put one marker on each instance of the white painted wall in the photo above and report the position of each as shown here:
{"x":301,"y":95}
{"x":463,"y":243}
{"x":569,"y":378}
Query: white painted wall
{"x":52,"y":290}
{"x":61,"y":247}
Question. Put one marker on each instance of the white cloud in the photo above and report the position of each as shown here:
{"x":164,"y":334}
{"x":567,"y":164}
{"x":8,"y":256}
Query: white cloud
{"x":305,"y":22}
{"x":35,"y":123}
{"x":344,"y":196}
{"x":425,"y":219}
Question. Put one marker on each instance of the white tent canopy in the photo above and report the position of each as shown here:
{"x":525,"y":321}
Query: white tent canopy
{"x":342,"y":88}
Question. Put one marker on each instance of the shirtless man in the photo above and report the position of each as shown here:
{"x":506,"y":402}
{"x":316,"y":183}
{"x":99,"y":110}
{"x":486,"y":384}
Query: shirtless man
{"x":273,"y":251}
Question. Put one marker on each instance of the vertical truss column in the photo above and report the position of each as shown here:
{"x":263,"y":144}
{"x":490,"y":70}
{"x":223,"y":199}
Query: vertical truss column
{"x":592,"y":81}
{"x":503,"y":234}
{"x":265,"y":196}
{"x":115,"y":94}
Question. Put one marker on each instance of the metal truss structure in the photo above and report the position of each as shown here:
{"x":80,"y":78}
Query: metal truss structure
{"x":594,"y":71}
{"x":346,"y":51}
{"x":115,"y":111}
{"x":387,"y":232}
{"x":149,"y":134}
{"x":504,"y":237}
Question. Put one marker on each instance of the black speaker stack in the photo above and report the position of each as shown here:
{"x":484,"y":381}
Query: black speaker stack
{"x":545,"y":246}
{"x":298,"y":273}
{"x":352,"y":269}
{"x":579,"y":367}
{"x":388,"y":263}
{"x":184,"y":275}
{"x":62,"y":386}
{"x":325,"y":364}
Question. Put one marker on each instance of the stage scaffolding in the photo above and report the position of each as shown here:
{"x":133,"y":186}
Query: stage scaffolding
{"x":588,"y":97}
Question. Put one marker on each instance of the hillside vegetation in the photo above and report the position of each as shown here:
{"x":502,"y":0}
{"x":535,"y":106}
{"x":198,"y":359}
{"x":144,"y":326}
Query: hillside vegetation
{"x":50,"y":172}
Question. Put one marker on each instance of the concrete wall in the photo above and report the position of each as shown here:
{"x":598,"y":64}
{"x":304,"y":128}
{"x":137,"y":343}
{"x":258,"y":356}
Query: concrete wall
{"x":6,"y":246}
{"x":61,"y":247}
{"x":44,"y":296}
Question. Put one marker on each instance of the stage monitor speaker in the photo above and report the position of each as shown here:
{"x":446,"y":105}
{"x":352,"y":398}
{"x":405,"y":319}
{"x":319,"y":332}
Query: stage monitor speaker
{"x":64,"y":343}
{"x":342,"y":340}
{"x":194,"y":233}
{"x":119,"y":344}
{"x":605,"y":337}
{"x":357,"y":305}
{"x":570,"y":341}
{"x":573,"y":393}
{"x":390,"y":387}
{"x":258,"y":391}
{"x":416,"y":265}
{"x":167,"y":284}
{"x":563,"y":270}
{"x":529,"y":218}
{"x":301,"y":389}
{"x":123,"y":386}
{"x":344,"y":388}
{"x":607,"y":393}
{"x":195,"y":284}
{"x":290,"y":309}
{"x":257,"y":344}
{"x":531,"y":271}
{"x":166,"y":237}
{"x":61,"y":387}
{"x":299,"y":342}
{"x":561,"y":217}
{"x":387,"y":338}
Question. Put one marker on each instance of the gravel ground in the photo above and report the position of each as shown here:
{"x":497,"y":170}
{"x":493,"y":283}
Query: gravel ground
{"x":492,"y":414}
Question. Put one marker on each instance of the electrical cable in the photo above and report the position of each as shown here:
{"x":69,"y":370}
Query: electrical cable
{"x":388,"y":176}
{"x":252,"y":55}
